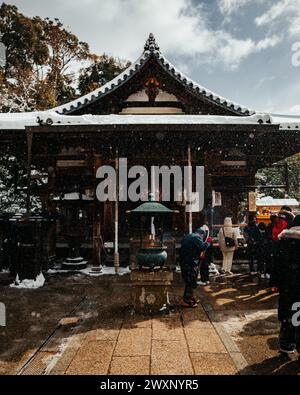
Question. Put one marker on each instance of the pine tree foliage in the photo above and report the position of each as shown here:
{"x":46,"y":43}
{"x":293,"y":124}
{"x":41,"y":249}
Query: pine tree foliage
{"x":43,"y":69}
{"x":102,"y":70}
{"x":277,"y":176}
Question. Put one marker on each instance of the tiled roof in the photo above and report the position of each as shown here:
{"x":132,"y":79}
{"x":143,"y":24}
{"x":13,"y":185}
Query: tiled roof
{"x":152,"y":50}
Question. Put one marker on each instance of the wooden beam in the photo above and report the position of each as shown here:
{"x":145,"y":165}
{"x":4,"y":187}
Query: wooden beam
{"x":84,"y":130}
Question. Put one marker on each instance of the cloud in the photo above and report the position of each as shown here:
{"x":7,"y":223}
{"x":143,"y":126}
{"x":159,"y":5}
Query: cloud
{"x":260,"y":83}
{"x":294,"y":110}
{"x":120,"y":27}
{"x":238,"y":50}
{"x":273,"y":13}
{"x":287,"y":11}
{"x":228,"y":7}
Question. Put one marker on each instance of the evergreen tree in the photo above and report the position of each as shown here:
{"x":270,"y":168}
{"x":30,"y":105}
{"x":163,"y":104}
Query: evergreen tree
{"x":277,"y":176}
{"x":40,"y":55}
{"x":103,"y":69}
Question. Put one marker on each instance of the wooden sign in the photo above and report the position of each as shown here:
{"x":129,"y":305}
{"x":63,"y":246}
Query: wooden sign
{"x":70,"y":163}
{"x":216,"y":199}
{"x":252,"y":202}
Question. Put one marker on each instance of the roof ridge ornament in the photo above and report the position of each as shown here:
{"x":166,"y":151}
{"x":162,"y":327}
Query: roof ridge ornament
{"x":151,"y":45}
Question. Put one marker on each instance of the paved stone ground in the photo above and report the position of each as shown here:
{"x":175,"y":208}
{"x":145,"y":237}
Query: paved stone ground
{"x":246,"y":309}
{"x":183,"y":343}
{"x":83,"y":325}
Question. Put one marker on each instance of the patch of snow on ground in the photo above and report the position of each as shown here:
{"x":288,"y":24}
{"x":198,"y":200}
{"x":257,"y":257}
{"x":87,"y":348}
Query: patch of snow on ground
{"x":249,"y":323}
{"x":105,"y":271}
{"x":62,"y":348}
{"x":29,"y":284}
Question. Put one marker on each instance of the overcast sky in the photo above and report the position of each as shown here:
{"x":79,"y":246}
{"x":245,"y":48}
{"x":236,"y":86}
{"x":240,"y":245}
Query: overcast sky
{"x":241,"y":49}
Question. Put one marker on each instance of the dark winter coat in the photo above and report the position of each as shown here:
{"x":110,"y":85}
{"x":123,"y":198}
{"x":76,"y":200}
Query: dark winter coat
{"x":269,"y":232}
{"x":286,"y":272}
{"x":253,"y":234}
{"x":191,"y":247}
{"x":269,"y":245}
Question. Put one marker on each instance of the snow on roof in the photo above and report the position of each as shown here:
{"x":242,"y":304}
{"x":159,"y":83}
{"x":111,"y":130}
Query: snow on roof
{"x":18,"y":121}
{"x":152,"y":50}
{"x":15,"y":121}
{"x":55,"y":119}
{"x":269,"y":201}
{"x":286,"y":122}
{"x":74,"y":196}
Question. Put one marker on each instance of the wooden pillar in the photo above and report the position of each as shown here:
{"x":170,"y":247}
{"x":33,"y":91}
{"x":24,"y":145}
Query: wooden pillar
{"x":209,"y":200}
{"x":153,"y":193}
{"x":287,"y":179}
{"x":38,"y":249}
{"x":190,"y":188}
{"x":29,"y":161}
{"x":117,"y":255}
{"x":97,"y":240}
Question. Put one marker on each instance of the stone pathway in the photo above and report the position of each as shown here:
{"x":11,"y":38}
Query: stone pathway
{"x":81,"y":324}
{"x":187,"y":342}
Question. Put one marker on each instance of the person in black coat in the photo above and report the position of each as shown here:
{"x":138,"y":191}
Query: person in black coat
{"x":254,"y":240}
{"x":286,"y":279}
{"x":263,"y":251}
{"x":269,"y":247}
{"x":191,"y":247}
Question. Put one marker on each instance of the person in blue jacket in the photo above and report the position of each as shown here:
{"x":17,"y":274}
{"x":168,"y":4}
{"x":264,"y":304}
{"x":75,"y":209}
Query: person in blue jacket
{"x":191,"y":247}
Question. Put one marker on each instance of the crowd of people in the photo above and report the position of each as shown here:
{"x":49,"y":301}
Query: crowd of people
{"x":275,"y":251}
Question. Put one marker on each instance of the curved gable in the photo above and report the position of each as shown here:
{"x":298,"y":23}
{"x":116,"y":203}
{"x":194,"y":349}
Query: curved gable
{"x":192,"y":98}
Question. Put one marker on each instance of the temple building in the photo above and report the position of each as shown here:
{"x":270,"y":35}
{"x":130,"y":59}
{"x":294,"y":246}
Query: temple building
{"x":153,"y":115}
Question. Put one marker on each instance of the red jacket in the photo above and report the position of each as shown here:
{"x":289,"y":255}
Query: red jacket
{"x":279,"y":226}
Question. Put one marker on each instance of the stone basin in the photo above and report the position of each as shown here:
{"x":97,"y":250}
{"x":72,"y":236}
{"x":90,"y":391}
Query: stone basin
{"x":152,"y":257}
